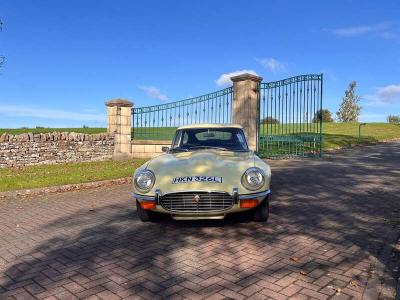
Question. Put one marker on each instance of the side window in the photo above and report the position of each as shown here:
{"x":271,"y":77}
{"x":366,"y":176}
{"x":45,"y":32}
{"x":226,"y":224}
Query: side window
{"x":175,"y":142}
{"x":185,"y":138}
{"x":241,"y":139}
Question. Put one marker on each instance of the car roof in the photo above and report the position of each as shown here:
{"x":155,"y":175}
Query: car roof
{"x":210,"y":126}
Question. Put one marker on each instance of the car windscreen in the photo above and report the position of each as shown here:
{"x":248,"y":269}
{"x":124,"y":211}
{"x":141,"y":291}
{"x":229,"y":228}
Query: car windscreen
{"x":230,"y":139}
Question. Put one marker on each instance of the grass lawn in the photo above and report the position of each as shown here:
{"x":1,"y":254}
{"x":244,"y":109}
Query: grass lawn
{"x":153,"y":133}
{"x":45,"y":130}
{"x":338,"y":135}
{"x":51,"y":175}
{"x":335,"y":135}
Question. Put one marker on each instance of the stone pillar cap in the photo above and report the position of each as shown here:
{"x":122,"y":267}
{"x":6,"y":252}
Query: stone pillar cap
{"x":246,"y":76}
{"x":119,"y":103}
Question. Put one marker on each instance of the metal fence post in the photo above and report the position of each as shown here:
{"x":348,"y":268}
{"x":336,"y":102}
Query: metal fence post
{"x":119,"y":117}
{"x":321,"y":136}
{"x":245,"y":106}
{"x":359,"y":130}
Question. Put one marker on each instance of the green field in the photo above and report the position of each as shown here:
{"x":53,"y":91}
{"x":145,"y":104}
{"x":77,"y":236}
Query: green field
{"x":46,"y":130}
{"x":51,"y":175}
{"x":154,"y":133}
{"x":335,"y":135}
{"x":288,"y":140}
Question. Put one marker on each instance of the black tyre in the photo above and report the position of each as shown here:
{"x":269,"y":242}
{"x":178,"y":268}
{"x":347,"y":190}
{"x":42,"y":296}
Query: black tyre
{"x":261,"y":212}
{"x":144,"y":215}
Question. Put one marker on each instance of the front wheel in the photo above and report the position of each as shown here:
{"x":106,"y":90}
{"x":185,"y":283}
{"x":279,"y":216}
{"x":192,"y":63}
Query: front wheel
{"x":261,"y":212}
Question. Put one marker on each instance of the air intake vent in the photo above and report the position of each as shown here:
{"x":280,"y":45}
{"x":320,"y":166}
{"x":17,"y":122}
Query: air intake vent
{"x":196,"y":202}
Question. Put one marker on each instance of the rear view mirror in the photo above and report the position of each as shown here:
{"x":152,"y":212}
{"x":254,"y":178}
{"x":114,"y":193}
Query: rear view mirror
{"x":164,"y":149}
{"x":209,"y":135}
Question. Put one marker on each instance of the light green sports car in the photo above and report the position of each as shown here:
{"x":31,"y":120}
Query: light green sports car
{"x":207,"y":173}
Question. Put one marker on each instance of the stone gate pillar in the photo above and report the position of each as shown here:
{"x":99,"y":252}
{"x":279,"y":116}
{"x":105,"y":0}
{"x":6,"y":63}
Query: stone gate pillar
{"x":119,"y":124}
{"x":246,"y":105}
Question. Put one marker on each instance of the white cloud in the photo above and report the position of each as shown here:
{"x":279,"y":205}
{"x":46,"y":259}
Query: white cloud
{"x":44,"y":113}
{"x":272,"y":64}
{"x":154,"y":92}
{"x":382,"y":30}
{"x":225,"y":79}
{"x":387,"y":95}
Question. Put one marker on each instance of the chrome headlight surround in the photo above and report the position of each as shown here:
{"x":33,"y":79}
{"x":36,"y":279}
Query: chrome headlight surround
{"x":253,"y":178}
{"x":144,"y":180}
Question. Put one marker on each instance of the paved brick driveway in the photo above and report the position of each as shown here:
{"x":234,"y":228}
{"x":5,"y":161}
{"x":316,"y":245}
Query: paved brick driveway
{"x":332,"y":233}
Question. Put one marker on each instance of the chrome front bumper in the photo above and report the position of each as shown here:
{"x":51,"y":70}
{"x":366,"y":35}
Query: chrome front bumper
{"x":184,"y":215}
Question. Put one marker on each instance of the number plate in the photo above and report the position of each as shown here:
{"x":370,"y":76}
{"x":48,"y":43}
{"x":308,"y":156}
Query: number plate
{"x":188,"y":179}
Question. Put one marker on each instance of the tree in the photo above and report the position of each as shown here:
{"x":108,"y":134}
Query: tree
{"x":269,"y":120}
{"x":393,"y":119}
{"x":323,"y":114}
{"x":350,"y":109}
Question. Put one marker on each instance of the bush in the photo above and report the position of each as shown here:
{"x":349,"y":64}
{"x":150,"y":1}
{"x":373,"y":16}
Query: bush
{"x":269,"y":120}
{"x":325,"y":114}
{"x":393,"y":119}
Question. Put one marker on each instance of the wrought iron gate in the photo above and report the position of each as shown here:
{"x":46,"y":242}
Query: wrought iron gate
{"x":159,"y":122}
{"x":290,"y":124}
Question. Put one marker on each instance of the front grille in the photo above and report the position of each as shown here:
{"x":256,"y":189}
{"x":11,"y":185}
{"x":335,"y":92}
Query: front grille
{"x":185,"y":202}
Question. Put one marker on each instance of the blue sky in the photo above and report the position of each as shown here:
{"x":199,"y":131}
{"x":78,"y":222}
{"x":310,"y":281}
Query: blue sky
{"x":64,"y":59}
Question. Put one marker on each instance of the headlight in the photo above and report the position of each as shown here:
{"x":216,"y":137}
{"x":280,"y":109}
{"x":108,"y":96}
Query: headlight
{"x":253,"y":179}
{"x":144,"y":180}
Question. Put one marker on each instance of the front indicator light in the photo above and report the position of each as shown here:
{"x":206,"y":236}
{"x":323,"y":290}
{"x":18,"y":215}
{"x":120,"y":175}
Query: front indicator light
{"x":148,"y":204}
{"x":248,"y":203}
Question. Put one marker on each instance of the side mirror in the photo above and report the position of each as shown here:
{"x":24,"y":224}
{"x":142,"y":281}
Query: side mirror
{"x":164,"y":149}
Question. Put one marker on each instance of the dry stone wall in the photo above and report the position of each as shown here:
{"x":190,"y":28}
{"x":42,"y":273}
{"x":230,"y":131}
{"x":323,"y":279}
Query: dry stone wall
{"x":55,"y":147}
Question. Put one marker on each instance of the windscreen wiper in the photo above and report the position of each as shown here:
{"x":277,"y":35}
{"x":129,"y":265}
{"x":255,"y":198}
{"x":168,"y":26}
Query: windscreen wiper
{"x":209,"y":147}
{"x":178,"y":149}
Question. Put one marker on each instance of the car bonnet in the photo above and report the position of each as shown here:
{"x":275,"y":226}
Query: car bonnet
{"x":211,"y":163}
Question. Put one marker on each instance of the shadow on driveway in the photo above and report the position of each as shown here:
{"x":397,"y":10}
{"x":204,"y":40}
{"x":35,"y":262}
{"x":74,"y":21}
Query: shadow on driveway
{"x":328,"y":219}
